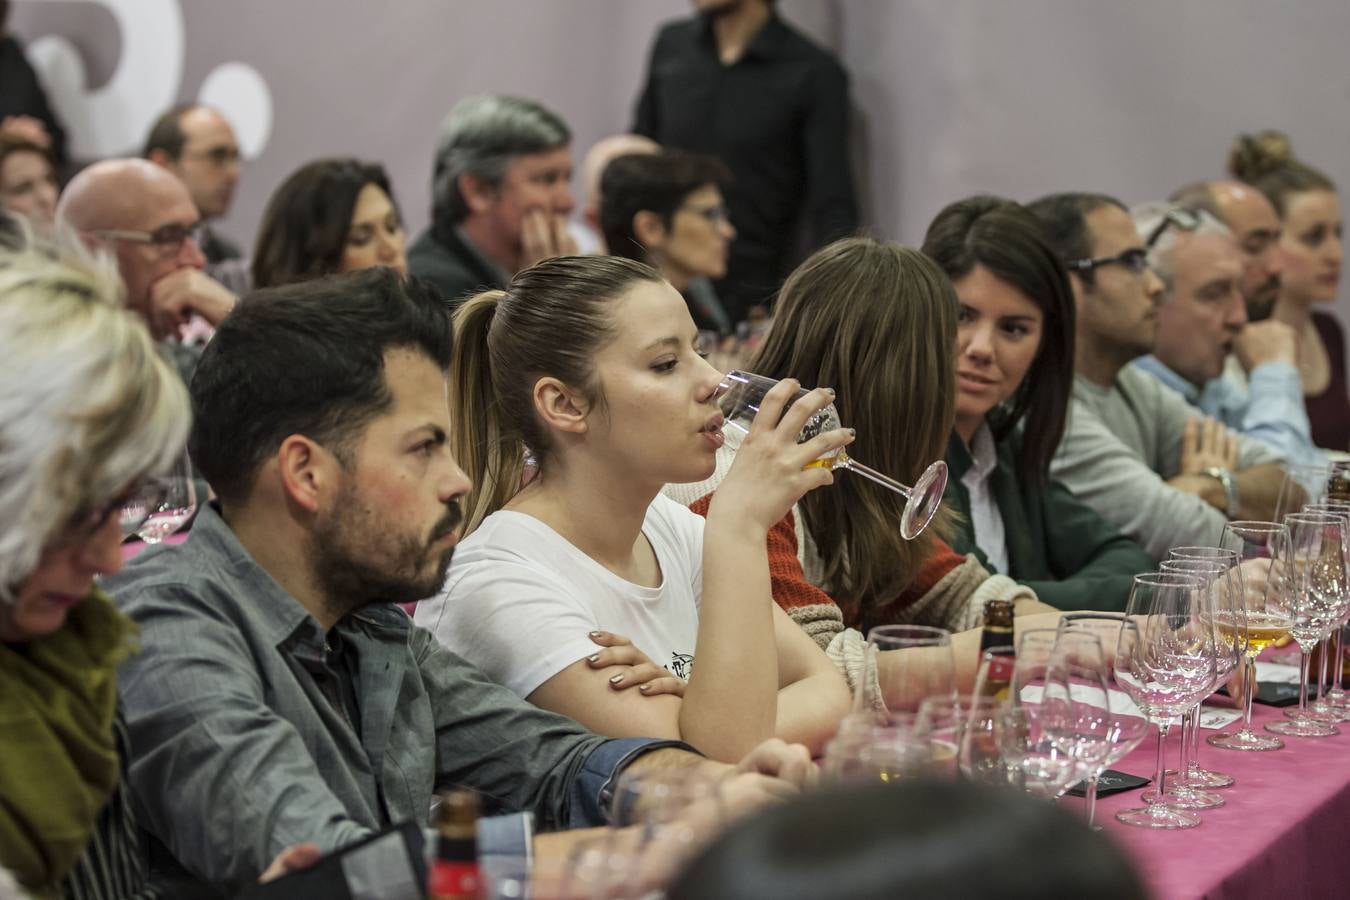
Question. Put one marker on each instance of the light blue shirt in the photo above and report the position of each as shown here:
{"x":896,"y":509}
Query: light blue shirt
{"x":1269,"y":409}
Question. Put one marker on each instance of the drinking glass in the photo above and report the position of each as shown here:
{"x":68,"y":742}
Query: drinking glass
{"x":1120,"y":725}
{"x":1331,"y":702}
{"x":908,"y":664}
{"x":1041,"y":746}
{"x":1227,"y":622}
{"x":660,"y":819}
{"x":1302,"y":484}
{"x":1317,"y":558}
{"x":1262,"y":550}
{"x":869,"y":748}
{"x":961,"y":734}
{"x":739,"y":398}
{"x":165,"y":503}
{"x":1164,"y":667}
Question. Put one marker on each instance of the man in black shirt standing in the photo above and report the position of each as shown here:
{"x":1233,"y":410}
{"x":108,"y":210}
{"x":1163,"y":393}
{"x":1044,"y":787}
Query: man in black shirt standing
{"x":738,"y":83}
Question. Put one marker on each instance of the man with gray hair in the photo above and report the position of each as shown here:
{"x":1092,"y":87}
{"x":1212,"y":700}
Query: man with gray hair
{"x":501,"y":195}
{"x":1203,"y":318}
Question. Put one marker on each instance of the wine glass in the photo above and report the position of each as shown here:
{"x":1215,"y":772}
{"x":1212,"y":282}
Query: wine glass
{"x":1302,"y":484}
{"x":1121,"y":724}
{"x":1262,"y":550}
{"x":1039,"y":740}
{"x":1227,"y":640}
{"x":906,"y":664}
{"x":1331,"y":701}
{"x":869,"y":748}
{"x":660,"y":819}
{"x":739,"y":398}
{"x":961,"y":734}
{"x":165,"y":504}
{"x":1317,"y":584}
{"x":1164,"y":666}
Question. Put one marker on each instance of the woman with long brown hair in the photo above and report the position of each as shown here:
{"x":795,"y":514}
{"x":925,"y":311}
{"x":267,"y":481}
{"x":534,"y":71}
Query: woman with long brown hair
{"x":876,"y":322}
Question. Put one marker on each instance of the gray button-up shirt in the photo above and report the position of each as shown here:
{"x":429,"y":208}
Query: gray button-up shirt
{"x":238,"y":752}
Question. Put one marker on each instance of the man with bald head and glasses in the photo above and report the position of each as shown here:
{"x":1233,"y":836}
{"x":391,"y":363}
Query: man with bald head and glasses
{"x":1133,"y":449}
{"x":145,"y":216}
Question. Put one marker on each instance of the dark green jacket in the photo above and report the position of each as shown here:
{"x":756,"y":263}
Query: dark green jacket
{"x":1057,"y":545}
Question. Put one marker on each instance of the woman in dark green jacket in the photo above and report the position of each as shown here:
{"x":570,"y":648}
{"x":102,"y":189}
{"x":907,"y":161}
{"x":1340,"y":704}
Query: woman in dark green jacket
{"x":1015,"y":356}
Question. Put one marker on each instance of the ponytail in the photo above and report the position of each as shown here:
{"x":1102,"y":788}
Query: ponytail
{"x":488,"y":448}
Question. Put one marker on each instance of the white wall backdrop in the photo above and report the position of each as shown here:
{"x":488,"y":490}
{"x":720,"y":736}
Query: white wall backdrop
{"x":1018,"y":97}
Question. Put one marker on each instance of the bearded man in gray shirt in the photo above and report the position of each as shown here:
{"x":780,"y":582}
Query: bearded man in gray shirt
{"x":1134,"y":450}
{"x":280,"y":696}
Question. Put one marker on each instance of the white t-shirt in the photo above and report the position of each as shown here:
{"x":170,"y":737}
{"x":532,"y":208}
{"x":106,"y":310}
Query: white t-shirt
{"x":519,"y":599}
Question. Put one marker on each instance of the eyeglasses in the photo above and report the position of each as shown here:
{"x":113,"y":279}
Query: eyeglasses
{"x":1135,"y":259}
{"x":167,"y":237}
{"x":714,"y":214}
{"x":1182,"y":218}
{"x":220,"y":157}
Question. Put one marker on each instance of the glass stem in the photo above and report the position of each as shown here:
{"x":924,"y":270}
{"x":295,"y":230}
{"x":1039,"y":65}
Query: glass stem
{"x":1159,"y":781}
{"x":1184,"y":768}
{"x":1323,"y":667}
{"x":1304,"y":658}
{"x":1248,"y":692}
{"x":1090,"y":798}
{"x":844,"y":461}
{"x":1337,"y":672}
{"x":1193,"y":758}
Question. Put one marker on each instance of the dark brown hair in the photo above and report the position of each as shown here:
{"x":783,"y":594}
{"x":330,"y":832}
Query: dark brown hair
{"x":876,"y":322}
{"x":1266,"y":161}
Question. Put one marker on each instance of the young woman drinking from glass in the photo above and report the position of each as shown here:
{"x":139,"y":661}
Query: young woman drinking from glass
{"x":876,"y":321}
{"x":1014,"y":365}
{"x":1310,"y":211}
{"x":592,"y":363}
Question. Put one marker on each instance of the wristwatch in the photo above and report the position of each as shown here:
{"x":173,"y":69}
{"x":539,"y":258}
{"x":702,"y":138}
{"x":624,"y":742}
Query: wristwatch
{"x":1230,"y":487}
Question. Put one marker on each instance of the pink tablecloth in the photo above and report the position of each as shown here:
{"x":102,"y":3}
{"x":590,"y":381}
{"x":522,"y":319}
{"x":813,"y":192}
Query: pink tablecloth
{"x":1284,"y":831}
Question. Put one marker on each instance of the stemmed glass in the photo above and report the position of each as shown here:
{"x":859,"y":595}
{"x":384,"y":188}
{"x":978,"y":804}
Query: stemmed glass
{"x":660,"y":819}
{"x":1120,"y":725}
{"x":904,"y":665}
{"x":1317,"y":575}
{"x":1165,"y":667}
{"x":164,"y":504}
{"x":1331,"y":701}
{"x":868,"y":748}
{"x":739,"y":398}
{"x":1041,"y":745}
{"x":1227,"y":624}
{"x":1262,"y":550}
{"x":962,"y":734}
{"x":1302,"y":484}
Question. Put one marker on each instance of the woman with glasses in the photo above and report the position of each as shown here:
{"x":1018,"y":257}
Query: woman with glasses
{"x":667,"y":209}
{"x":1309,"y":208}
{"x":329,"y":216}
{"x":88,"y":410}
{"x":1014,"y":367}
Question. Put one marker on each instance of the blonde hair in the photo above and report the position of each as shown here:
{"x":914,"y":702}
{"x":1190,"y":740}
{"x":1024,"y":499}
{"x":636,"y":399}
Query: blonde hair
{"x":87,"y":405}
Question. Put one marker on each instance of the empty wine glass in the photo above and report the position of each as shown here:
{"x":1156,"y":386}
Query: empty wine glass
{"x":1302,"y":484}
{"x":165,"y":504}
{"x":1226,"y":639}
{"x":1317,"y":559}
{"x":1165,"y":667}
{"x":1262,"y":550}
{"x":1039,"y":740}
{"x":961,"y":734}
{"x":1331,"y":698}
{"x":1121,"y":725}
{"x":906,"y":664}
{"x":739,"y":398}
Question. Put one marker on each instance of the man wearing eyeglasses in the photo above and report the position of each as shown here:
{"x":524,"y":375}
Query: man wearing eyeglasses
{"x":1209,"y":294}
{"x":145,"y":216}
{"x":1134,"y":450}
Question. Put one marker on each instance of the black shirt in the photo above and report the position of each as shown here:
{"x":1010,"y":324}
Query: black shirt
{"x":21,"y":94}
{"x":778,"y":117}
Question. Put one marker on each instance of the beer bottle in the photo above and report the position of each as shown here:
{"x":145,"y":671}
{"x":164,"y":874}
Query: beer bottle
{"x":454,"y":874}
{"x":997,"y":651}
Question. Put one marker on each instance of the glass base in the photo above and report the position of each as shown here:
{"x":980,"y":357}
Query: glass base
{"x":1158,"y":817}
{"x":1244,"y":740}
{"x":1302,"y":728}
{"x":1185,"y":798}
{"x":1201,"y":779}
{"x":924,"y":499}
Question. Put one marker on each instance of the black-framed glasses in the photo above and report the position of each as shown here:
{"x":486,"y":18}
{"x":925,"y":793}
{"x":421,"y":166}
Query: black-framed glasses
{"x":1180,"y":217}
{"x":1135,"y":259}
{"x":166,"y":237}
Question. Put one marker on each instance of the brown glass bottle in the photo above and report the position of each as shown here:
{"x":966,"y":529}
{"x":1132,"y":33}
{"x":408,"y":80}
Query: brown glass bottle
{"x":996,"y":645}
{"x":454,"y":874}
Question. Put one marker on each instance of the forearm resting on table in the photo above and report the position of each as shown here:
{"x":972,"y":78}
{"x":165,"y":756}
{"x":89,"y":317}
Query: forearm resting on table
{"x":809,"y":710}
{"x":1205,"y":487}
{"x":966,"y":644}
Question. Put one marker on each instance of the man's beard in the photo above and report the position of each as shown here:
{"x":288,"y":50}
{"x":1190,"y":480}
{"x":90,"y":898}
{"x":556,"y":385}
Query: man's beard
{"x":358,"y":561}
{"x":1262,"y":301}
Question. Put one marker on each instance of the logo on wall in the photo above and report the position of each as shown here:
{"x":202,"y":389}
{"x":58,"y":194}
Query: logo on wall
{"x":113,"y":119}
